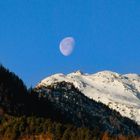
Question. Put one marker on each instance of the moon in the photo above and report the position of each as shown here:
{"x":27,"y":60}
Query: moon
{"x":67,"y":46}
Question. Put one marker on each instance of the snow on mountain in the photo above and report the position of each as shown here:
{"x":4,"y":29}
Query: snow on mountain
{"x":119,"y":92}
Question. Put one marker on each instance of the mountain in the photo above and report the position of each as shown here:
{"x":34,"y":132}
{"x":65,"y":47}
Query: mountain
{"x":85,"y":112}
{"x":119,"y":92}
{"x":58,"y":111}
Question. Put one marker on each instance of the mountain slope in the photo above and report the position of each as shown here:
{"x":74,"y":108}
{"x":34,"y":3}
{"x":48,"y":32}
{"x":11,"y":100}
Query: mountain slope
{"x":58,"y":111}
{"x":120,"y":92}
{"x":85,"y":112}
{"x":13,"y":92}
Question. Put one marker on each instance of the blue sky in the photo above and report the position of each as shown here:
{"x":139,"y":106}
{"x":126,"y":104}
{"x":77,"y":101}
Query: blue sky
{"x":106,"y":32}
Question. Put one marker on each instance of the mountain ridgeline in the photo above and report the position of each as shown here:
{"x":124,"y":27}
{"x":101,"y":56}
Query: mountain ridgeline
{"x":120,"y":92}
{"x":58,"y":111}
{"x":85,"y":112}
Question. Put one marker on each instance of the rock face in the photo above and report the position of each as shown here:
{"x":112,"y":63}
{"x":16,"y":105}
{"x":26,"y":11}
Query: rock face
{"x":84,"y":112}
{"x":119,"y":92}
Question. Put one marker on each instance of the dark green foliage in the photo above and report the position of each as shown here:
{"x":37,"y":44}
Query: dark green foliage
{"x":16,"y":127}
{"x":19,"y":126}
{"x":13,"y":92}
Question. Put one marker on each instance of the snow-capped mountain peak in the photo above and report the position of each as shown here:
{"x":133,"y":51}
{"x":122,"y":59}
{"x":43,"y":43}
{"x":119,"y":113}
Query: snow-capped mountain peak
{"x":120,"y":92}
{"x":78,"y":72}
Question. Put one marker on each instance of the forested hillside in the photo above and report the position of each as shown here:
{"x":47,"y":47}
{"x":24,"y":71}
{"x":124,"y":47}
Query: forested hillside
{"x":59,"y":112}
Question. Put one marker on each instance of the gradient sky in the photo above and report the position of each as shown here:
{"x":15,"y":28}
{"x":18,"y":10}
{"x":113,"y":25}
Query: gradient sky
{"x":107,"y":35}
